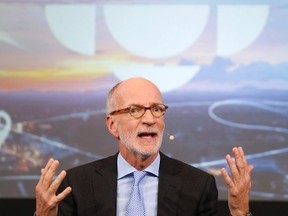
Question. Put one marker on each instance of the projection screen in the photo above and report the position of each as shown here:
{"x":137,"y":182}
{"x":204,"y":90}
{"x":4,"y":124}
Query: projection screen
{"x":222,"y":68}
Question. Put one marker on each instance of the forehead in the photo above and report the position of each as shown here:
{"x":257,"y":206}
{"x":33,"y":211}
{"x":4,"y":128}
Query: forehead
{"x":137,"y":91}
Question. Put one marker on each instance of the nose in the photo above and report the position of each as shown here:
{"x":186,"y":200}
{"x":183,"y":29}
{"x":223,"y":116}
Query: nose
{"x":148,"y":118}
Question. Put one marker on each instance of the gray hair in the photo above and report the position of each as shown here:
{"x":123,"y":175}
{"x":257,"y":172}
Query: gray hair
{"x":110,"y":102}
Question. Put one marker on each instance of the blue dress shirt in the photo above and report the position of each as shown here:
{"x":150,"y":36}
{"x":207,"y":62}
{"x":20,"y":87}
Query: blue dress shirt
{"x":148,"y":186}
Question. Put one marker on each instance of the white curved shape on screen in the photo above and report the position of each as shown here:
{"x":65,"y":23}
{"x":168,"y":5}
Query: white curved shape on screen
{"x":6,"y":38}
{"x":74,"y":26}
{"x":263,"y":105}
{"x":239,"y":26}
{"x":248,"y":157}
{"x":156,"y":31}
{"x":167,"y":78}
{"x":5,"y":126}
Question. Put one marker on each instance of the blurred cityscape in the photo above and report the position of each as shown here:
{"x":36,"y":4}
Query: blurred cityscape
{"x":205,"y":128}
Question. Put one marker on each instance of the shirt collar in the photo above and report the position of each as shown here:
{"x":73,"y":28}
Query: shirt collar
{"x":124,"y":168}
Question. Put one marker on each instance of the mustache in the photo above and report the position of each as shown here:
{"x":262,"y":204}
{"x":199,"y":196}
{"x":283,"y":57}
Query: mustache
{"x":148,"y":130}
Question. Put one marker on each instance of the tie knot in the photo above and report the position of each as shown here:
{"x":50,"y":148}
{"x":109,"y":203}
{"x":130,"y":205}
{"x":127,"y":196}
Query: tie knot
{"x":138,"y":176}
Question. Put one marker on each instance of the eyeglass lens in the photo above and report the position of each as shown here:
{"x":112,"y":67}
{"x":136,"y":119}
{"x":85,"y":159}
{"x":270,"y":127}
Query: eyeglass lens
{"x":157,"y":110}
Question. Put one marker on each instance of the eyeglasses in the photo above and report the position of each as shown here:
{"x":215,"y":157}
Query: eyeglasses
{"x":137,"y":111}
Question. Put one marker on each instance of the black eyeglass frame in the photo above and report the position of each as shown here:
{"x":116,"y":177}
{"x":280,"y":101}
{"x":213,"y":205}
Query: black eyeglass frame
{"x":128,"y":110}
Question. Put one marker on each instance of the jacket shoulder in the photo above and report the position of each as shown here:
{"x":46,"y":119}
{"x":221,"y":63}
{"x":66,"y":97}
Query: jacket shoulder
{"x":176,"y":166}
{"x":101,"y":165}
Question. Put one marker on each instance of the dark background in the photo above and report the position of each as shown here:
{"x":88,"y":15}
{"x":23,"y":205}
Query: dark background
{"x":26,"y":207}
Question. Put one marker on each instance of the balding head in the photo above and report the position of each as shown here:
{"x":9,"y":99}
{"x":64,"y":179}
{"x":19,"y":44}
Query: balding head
{"x":135,"y":90}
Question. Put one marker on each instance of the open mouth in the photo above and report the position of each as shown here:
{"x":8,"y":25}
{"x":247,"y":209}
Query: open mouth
{"x":147,"y":134}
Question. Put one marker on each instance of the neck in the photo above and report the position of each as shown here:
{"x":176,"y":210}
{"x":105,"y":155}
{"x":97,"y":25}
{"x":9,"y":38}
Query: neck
{"x":139,"y":162}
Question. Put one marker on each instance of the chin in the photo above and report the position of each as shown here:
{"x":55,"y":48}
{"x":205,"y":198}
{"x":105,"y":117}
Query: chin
{"x":148,"y":152}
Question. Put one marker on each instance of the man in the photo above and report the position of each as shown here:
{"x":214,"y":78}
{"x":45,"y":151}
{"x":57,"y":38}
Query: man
{"x":135,"y":117}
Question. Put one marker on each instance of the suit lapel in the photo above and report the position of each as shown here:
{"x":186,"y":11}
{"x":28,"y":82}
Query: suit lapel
{"x":169,"y":187}
{"x":105,"y":186}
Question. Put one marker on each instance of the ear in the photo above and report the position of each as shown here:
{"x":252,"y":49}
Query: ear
{"x":111,"y":125}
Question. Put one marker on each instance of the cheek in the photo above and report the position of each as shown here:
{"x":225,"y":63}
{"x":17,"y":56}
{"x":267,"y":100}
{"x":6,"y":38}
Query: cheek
{"x":161,"y":125}
{"x":126,"y":127}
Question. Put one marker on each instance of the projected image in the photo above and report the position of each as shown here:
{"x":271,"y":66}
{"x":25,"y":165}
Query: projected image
{"x":222,"y":69}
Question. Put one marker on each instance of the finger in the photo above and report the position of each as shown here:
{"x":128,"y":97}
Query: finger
{"x":241,"y":162}
{"x":63,"y":194}
{"x":48,"y":177}
{"x":226,"y":177}
{"x":55,"y":184}
{"x":249,"y":171}
{"x":242,"y":154}
{"x":44,"y":170}
{"x":232,"y":166}
{"x":240,"y":159}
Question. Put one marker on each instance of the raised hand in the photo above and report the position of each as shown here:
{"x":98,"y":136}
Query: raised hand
{"x":46,"y":199}
{"x":239,"y":183}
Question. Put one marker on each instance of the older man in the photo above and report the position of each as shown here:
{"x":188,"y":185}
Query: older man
{"x":135,"y":117}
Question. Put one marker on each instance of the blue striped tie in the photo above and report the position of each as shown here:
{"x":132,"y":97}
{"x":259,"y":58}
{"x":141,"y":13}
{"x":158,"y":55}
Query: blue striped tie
{"x":135,"y":205}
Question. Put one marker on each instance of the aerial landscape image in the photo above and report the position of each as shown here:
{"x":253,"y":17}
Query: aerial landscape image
{"x":224,"y":86}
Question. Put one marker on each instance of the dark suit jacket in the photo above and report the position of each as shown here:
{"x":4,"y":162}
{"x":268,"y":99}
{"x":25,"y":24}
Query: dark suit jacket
{"x":183,"y":189}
